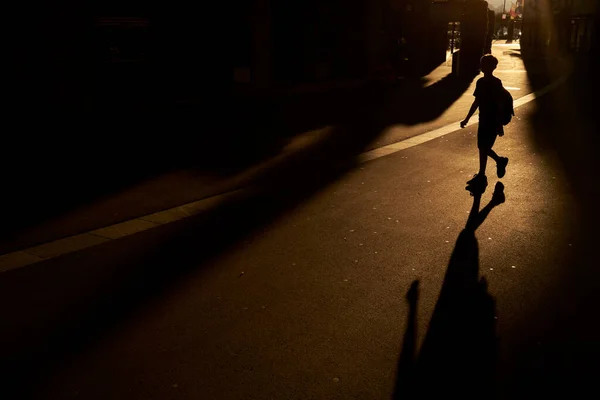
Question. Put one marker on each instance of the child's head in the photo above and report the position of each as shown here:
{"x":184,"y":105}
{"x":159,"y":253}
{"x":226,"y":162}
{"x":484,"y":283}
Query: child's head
{"x":488,"y":63}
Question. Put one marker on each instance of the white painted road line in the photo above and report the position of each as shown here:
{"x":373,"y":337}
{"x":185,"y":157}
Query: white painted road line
{"x":74,"y":243}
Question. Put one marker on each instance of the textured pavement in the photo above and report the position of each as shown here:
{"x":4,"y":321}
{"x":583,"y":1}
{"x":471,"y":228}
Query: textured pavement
{"x":330,"y":279}
{"x":298,"y":288}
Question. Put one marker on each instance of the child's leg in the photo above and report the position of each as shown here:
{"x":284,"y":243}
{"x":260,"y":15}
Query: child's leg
{"x":493,"y":155}
{"x":483,"y":155}
{"x":501,"y":163}
{"x":485,"y":141}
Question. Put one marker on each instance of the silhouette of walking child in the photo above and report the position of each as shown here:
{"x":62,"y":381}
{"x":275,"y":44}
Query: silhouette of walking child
{"x":488,"y":96}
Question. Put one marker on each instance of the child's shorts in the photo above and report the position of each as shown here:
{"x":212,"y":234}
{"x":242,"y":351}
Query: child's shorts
{"x":486,"y":136}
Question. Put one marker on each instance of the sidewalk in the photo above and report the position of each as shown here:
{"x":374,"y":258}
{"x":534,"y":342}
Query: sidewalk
{"x":301,"y":121}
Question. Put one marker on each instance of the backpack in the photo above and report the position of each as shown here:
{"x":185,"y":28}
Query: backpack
{"x":505,"y":107}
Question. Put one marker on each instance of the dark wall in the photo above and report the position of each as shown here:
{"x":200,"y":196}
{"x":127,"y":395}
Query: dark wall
{"x":318,"y":39}
{"x":473,"y":35}
{"x":49,"y":54}
{"x":77,"y":119}
{"x":59,"y":52}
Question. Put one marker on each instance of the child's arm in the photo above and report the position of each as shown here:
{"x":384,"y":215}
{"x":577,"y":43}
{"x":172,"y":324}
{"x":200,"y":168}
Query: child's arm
{"x":474,"y":107}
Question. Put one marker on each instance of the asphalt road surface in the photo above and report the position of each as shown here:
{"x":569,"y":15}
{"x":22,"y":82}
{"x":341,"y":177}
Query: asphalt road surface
{"x":330,"y":278}
{"x":331,"y":281}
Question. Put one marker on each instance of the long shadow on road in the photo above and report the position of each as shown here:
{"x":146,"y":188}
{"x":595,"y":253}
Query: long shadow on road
{"x":458,"y":356}
{"x":57,"y":308}
{"x":119,"y":149}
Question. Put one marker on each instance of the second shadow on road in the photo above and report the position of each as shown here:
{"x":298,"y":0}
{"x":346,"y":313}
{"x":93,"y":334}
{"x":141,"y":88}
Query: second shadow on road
{"x":459,"y":352}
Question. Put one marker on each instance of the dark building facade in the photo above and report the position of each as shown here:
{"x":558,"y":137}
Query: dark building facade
{"x":563,"y":26}
{"x":143,"y":52}
{"x":476,"y":27}
{"x":314,"y":41}
{"x":259,"y":45}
